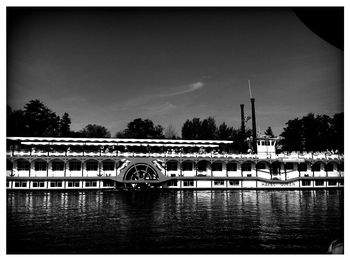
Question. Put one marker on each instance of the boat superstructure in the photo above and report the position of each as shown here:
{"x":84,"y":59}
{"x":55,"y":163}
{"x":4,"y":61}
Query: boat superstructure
{"x":41,"y":163}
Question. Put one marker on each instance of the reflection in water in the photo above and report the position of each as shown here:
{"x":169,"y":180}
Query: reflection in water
{"x":174,"y":221}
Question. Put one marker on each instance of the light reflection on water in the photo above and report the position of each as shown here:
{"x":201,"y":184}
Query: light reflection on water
{"x":174,"y":221}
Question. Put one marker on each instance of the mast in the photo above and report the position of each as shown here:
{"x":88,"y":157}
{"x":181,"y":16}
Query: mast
{"x":242,"y":119}
{"x":252,"y":100}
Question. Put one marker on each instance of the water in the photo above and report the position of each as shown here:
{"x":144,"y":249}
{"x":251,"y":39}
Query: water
{"x":230,"y":222}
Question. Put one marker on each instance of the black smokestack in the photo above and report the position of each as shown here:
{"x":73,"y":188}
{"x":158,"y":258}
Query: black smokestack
{"x":254,"y":123}
{"x":242,"y":119}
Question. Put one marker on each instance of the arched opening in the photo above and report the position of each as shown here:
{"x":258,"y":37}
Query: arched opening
{"x":202,"y":165}
{"x":91,"y":165}
{"x":40,"y":165}
{"x":57,"y":165}
{"x":231,"y":166}
{"x":23,"y":165}
{"x":330,"y":167}
{"x":187,"y":165}
{"x":276,"y":168}
{"x":262,"y":165}
{"x":172,"y":165}
{"x":108,"y":165}
{"x":9,"y":165}
{"x":74,"y":165}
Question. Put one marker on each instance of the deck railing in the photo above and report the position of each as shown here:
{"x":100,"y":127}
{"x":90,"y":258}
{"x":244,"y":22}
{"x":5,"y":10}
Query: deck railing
{"x":293,"y":155}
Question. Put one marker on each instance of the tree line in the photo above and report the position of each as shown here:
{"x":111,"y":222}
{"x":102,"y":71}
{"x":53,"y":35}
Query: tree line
{"x":310,"y":133}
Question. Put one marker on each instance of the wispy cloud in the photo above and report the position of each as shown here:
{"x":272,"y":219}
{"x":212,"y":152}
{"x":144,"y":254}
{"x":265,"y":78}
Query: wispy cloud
{"x":188,"y":88}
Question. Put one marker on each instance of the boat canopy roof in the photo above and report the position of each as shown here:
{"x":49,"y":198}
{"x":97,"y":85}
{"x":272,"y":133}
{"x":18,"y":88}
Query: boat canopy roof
{"x":117,"y":142}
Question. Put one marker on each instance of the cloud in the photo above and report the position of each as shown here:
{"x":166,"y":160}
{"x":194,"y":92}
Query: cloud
{"x":188,"y":88}
{"x":161,"y":108}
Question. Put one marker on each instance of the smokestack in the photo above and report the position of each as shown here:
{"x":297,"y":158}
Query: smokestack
{"x":254,"y":123}
{"x":242,"y":119}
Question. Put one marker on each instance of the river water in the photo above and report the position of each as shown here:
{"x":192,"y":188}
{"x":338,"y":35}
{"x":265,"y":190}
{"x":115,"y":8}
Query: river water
{"x":228,"y":222}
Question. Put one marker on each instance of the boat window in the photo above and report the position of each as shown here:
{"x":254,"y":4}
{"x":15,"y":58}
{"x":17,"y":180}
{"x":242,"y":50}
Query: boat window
{"x":332,"y":183}
{"x":234,"y":182}
{"x":171,"y":166}
{"x":74,"y":165}
{"x":232,"y":166}
{"x":319,"y":182}
{"x":187,"y":166}
{"x":23,"y":165}
{"x":9,"y":165}
{"x":306,"y":183}
{"x":188,"y":183}
{"x":219,"y":182}
{"x":246,"y":166}
{"x":261,"y":165}
{"x":316,"y":166}
{"x":91,"y":165}
{"x":57,"y":166}
{"x":108,"y":165}
{"x":172,"y":183}
{"x":330,"y":167}
{"x":40,"y":165}
{"x":202,"y":166}
{"x":302,"y":167}
{"x":289,"y":166}
{"x":217,"y":166}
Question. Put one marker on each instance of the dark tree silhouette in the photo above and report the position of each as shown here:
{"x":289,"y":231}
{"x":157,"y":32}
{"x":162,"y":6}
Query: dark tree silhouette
{"x":94,"y":131}
{"x":312,"y":133}
{"x":64,"y":125}
{"x":142,"y":129}
{"x":224,"y":132}
{"x":15,"y":122}
{"x":196,"y":129}
{"x":208,"y":129}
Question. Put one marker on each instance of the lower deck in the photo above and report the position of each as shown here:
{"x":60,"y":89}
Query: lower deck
{"x":173,"y":183}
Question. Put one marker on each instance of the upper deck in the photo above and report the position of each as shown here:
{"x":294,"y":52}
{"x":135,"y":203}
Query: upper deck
{"x":154,"y":148}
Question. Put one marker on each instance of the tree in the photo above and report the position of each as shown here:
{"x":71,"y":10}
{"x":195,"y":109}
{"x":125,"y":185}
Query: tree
{"x":35,"y":120}
{"x":337,"y":132}
{"x":292,"y":136}
{"x":312,"y":133}
{"x":224,"y":132}
{"x":142,"y":129}
{"x":269,"y":132}
{"x":15,"y":122}
{"x":64,"y":125}
{"x":196,"y":129}
{"x":191,"y":129}
{"x":94,"y":131}
{"x":208,"y":129}
{"x":170,"y":132}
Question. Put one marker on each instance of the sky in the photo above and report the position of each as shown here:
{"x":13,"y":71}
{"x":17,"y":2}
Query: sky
{"x":108,"y":66}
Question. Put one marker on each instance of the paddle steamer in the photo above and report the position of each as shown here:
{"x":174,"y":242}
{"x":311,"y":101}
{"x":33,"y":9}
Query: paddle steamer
{"x":37,"y":163}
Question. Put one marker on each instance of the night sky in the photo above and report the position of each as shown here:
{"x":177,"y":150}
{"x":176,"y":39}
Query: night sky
{"x":109,"y":66}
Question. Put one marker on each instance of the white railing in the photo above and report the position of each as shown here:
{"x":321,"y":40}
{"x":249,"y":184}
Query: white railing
{"x":290,"y":156}
{"x":57,"y":153}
